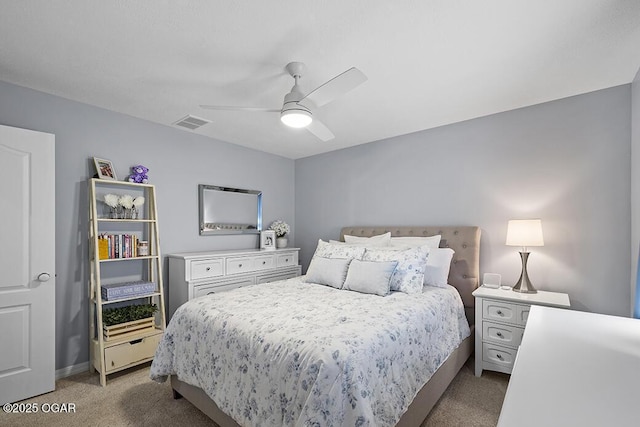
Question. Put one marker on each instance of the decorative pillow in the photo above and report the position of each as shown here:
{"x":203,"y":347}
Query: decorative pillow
{"x":436,"y":272}
{"x":328,"y":250}
{"x":409,"y":274}
{"x":379,"y":240}
{"x":327,"y":271}
{"x":370,"y":277}
{"x":412,"y":242}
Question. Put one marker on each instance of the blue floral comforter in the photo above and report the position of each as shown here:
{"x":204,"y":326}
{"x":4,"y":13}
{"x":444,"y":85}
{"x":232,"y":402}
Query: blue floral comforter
{"x":290,"y":353}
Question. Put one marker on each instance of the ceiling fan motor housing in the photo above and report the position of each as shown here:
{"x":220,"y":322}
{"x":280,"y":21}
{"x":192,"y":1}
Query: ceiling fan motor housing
{"x":294,"y":114}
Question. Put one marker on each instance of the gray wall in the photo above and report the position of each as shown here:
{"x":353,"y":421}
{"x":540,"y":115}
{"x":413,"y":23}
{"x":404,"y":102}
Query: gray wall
{"x":178,"y":162}
{"x":567,"y":162}
{"x":635,"y":194}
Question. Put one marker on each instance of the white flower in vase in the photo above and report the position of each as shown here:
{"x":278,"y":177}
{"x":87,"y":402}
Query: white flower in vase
{"x":137,"y":204}
{"x":113,"y":201}
{"x":281,"y":228}
{"x":138,"y":201}
{"x":126,"y":202}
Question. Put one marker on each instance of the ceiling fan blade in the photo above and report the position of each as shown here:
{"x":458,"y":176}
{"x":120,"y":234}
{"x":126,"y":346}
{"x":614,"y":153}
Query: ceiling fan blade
{"x":336,"y":87}
{"x":317,"y":128}
{"x":234,"y":108}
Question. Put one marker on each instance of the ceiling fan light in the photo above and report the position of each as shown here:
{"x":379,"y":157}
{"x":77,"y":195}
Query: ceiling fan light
{"x":296,"y":118}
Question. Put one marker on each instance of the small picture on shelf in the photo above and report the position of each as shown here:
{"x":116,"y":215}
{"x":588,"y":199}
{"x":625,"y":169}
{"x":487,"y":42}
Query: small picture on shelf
{"x":268,"y":239}
{"x":105,"y":169}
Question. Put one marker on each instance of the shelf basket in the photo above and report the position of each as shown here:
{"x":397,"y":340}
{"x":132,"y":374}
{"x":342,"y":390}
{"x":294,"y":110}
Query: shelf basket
{"x":128,"y":329}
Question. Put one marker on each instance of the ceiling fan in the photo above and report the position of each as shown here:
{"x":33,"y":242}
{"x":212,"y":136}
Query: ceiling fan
{"x":297,"y":109}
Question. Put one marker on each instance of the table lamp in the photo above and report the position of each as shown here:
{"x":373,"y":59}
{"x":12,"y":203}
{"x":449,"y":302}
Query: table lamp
{"x":524,"y":232}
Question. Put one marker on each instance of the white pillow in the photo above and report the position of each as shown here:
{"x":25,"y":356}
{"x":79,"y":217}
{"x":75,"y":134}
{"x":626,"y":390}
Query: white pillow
{"x":379,"y":240}
{"x":327,"y":271}
{"x":412,"y":242}
{"x":364,"y":245}
{"x":370,"y":277}
{"x":338,"y":242}
{"x":436,"y":272}
{"x":328,"y":250}
{"x":408,"y":276}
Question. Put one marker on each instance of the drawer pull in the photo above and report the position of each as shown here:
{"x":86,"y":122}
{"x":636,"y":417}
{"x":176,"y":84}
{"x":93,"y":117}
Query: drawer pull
{"x":135,"y":341}
{"x":208,"y":268}
{"x":499,"y":334}
{"x":239,"y":265}
{"x":264,"y":262}
{"x":286,"y":260}
{"x":499,"y":356}
{"x":499,"y":312}
{"x":211,"y":293}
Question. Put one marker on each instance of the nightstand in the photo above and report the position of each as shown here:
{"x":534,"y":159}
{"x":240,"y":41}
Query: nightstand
{"x":501,"y":316}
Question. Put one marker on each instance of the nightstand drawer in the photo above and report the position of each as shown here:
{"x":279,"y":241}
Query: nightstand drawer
{"x":498,"y":355}
{"x":206,"y":268}
{"x":523,"y":314}
{"x":502,"y":334}
{"x":499,"y":311}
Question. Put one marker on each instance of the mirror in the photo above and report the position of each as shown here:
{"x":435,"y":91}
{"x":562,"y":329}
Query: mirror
{"x":225,"y":210}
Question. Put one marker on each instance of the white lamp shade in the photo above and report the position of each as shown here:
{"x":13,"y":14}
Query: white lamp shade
{"x":524,"y":232}
{"x":296,"y":118}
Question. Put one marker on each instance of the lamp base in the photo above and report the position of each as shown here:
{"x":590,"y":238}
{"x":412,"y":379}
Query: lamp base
{"x":524,"y":284}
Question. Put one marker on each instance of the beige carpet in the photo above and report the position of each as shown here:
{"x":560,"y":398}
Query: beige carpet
{"x":131,"y":399}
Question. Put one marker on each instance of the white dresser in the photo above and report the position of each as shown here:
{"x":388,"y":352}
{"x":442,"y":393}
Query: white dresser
{"x":575,"y":369}
{"x":501,"y":316}
{"x":193,"y":274}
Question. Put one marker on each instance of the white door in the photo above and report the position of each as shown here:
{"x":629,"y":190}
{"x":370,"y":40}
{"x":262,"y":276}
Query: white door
{"x":27,"y":264}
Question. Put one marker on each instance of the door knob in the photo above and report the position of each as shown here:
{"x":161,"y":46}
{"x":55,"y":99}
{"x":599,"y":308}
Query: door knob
{"x":44,"y":277}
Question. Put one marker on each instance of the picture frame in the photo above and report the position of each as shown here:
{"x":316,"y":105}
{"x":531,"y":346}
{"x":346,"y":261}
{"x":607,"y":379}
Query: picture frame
{"x":105,"y":169}
{"x":268,"y":240}
{"x":491,"y":280}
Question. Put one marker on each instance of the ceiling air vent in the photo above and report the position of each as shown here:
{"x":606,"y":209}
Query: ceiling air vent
{"x":191,"y":122}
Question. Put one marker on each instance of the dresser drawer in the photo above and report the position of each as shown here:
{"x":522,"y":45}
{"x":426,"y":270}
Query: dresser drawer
{"x":502,"y":334}
{"x":227,"y":285}
{"x":277,"y":275}
{"x":264,"y":262}
{"x":240,"y":265}
{"x":498,"y":355}
{"x":499,"y":311}
{"x":285,"y":260}
{"x":207,"y":268}
{"x":127,"y":353}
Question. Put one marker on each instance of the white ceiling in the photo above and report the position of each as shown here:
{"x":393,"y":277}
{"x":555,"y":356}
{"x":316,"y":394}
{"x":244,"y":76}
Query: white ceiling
{"x":429,"y":62}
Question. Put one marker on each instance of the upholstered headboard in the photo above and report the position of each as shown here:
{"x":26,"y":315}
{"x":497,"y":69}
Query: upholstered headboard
{"x":464,"y":240}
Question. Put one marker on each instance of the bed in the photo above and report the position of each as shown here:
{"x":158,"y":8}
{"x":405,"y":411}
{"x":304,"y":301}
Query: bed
{"x":338,"y":392}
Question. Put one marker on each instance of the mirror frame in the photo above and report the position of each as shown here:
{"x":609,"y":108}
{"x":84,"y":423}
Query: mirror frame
{"x":202,"y":188}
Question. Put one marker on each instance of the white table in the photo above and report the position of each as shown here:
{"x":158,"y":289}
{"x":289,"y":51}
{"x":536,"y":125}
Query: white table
{"x":575,"y":369}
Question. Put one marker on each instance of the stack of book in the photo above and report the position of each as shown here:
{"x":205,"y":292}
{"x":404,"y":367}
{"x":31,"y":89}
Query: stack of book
{"x":115,"y":291}
{"x":111,"y":246}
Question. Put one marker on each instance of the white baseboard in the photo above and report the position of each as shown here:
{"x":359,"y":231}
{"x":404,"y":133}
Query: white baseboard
{"x":72,"y":370}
